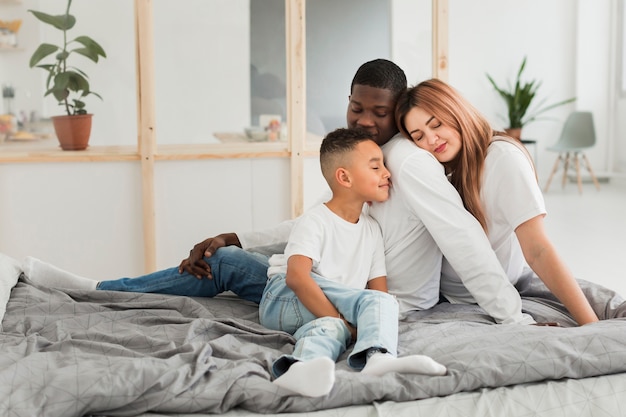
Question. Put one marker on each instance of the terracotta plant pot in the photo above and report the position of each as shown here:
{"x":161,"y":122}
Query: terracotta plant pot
{"x":73,"y":131}
{"x":515,"y":133}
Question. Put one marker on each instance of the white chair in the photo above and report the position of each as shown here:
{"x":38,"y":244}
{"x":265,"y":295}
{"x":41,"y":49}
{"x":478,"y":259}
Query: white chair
{"x":577,"y":135}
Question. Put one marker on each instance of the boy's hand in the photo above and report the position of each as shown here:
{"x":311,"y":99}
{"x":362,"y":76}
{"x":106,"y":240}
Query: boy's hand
{"x":351,"y":328}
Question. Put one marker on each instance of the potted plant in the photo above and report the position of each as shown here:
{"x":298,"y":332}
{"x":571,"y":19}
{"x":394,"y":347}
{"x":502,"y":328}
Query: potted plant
{"x":68,"y":84}
{"x":518,"y":98}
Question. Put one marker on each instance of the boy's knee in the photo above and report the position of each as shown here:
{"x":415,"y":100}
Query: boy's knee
{"x":383,"y":296}
{"x":331,"y":327}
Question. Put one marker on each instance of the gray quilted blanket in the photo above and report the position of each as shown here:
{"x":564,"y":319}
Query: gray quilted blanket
{"x":74,"y":353}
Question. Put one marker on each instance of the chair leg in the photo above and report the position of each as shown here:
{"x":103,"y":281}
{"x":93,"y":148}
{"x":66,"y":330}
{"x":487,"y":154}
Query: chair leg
{"x":565,"y":169}
{"x":593,"y":177}
{"x":578,"y":179}
{"x":554,"y":169}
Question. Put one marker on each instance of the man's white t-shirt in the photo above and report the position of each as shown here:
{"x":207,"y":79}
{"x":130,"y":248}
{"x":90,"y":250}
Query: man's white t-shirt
{"x":510,"y":196}
{"x":341,"y":251}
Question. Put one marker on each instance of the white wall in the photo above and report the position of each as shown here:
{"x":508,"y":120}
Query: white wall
{"x":198,"y":199}
{"x":81,"y":216}
{"x":495,"y":42}
{"x":411,"y":38}
{"x":202,"y":69}
{"x":568,"y":47}
{"x":618,"y":121}
{"x":201,"y":198}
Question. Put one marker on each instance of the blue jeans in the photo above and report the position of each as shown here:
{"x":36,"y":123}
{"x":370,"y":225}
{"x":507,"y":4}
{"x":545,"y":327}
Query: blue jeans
{"x":233,"y":269}
{"x":373,"y":313}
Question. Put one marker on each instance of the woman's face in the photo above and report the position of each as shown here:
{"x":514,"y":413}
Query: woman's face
{"x":432,"y":135}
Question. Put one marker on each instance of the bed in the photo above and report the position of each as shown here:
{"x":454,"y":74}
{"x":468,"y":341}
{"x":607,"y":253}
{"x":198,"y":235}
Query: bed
{"x":74,"y":353}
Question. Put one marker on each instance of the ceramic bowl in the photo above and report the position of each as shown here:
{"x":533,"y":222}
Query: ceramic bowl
{"x":255,"y":133}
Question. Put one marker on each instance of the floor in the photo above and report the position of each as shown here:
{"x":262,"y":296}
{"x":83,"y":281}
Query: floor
{"x":589,"y":230}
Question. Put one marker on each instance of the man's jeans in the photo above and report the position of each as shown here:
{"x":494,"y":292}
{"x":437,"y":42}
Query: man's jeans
{"x":233,"y":269}
{"x":374,"y":313}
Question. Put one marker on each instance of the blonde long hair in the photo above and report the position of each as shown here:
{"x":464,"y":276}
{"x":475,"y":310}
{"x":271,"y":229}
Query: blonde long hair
{"x":449,"y":107}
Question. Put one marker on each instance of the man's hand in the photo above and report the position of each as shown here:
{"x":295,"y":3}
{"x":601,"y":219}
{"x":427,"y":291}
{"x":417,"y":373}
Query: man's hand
{"x":195,"y":264}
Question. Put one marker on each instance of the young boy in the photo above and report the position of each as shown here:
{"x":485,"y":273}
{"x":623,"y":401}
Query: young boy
{"x":317,"y":288}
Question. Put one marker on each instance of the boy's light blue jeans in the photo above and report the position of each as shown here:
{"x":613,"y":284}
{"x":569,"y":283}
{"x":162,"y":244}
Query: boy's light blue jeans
{"x":373,"y":313}
{"x":233,"y":269}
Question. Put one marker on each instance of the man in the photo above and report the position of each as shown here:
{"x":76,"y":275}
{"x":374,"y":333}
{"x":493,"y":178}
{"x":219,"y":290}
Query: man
{"x":423,"y":219}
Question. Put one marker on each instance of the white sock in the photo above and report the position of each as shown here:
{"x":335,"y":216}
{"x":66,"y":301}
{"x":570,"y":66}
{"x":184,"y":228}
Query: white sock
{"x":46,"y":274}
{"x":381,"y":363}
{"x":312,"y":378}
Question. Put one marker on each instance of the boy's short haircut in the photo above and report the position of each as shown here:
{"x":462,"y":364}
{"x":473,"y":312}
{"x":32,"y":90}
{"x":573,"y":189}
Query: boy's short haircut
{"x":336,"y":145}
{"x":381,"y":73}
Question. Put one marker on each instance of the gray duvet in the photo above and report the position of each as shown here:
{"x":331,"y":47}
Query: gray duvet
{"x":74,"y":353}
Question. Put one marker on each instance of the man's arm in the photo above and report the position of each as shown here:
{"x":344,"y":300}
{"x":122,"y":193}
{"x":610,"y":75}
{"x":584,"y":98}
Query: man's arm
{"x":273,"y":235}
{"x":195,"y":265}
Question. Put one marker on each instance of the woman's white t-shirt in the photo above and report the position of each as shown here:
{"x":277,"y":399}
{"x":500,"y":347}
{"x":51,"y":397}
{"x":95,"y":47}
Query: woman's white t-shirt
{"x":341,"y":251}
{"x":510,"y":196}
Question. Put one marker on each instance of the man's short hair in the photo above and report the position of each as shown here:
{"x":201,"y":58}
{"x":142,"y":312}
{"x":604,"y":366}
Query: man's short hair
{"x":381,"y":73}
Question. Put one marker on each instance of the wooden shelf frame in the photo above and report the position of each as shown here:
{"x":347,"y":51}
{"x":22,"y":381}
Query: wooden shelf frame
{"x":148,"y":153}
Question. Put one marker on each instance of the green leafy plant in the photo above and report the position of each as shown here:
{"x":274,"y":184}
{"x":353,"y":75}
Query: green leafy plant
{"x":68,"y":84}
{"x":518,"y":98}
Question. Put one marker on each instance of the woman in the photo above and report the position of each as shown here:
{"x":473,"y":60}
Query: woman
{"x":495,"y":178}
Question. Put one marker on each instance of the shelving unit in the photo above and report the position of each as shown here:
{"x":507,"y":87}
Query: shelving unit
{"x":148,"y":152}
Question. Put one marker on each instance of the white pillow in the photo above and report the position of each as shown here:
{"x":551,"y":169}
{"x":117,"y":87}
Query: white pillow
{"x":10,"y":270}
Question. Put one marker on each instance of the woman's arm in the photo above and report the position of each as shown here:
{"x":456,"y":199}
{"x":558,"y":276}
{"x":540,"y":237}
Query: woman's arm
{"x":542,"y":257}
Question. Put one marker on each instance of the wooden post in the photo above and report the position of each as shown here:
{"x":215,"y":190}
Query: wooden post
{"x":296,"y":98}
{"x":440,"y":39}
{"x":146,"y":124}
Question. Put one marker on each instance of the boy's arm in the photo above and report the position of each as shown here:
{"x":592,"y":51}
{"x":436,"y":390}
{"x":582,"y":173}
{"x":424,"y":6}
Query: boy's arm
{"x":310,"y":294}
{"x":378,"y":284}
{"x":299,"y":280}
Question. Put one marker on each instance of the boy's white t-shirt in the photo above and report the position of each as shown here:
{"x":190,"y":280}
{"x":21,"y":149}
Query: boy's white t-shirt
{"x":344,"y":252}
{"x":510,"y":196}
